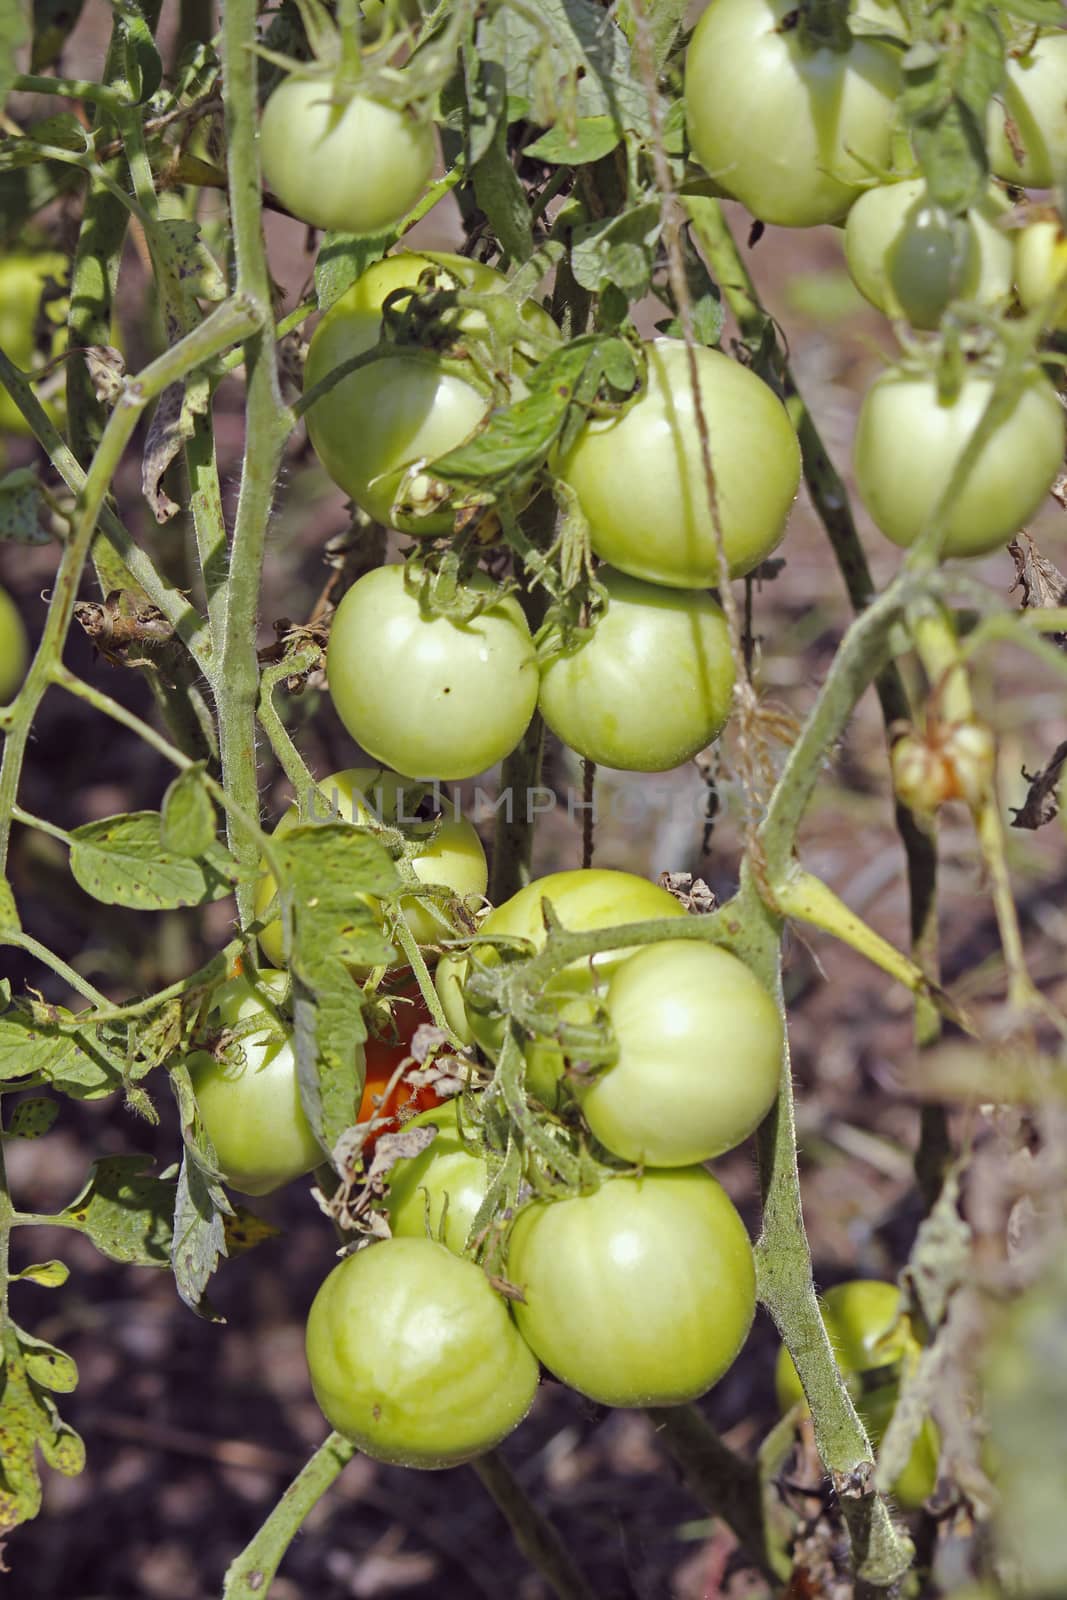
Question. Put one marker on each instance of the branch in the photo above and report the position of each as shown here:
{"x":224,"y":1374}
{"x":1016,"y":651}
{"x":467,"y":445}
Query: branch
{"x":533,"y":1533}
{"x":249,"y":1577}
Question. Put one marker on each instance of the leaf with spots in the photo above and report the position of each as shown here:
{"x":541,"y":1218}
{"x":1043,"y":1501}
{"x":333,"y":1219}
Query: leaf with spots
{"x":121,"y":861}
{"x":46,"y":1274}
{"x":32,"y":1118}
{"x":199,"y":1238}
{"x":46,"y":1366}
{"x":29,"y":1420}
{"x":34,"y":1043}
{"x":244,"y":1230}
{"x":125,"y":1211}
{"x":188,"y":827}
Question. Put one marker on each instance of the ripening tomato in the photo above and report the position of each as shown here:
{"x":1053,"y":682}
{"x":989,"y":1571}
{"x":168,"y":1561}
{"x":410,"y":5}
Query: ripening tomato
{"x":1034,"y":96}
{"x":385,"y":1049}
{"x":911,"y":258}
{"x":403,"y":408}
{"x":793,"y":133}
{"x":453,"y":856}
{"x":23,"y":274}
{"x":583,"y":900}
{"x":640,"y":1294}
{"x":415,"y":1358}
{"x":868,"y":1336}
{"x":431,"y":697}
{"x":438,"y":1193}
{"x":640,"y":475}
{"x":14,"y":648}
{"x":251,"y":1108}
{"x":700,"y":1051}
{"x":1041,"y":266}
{"x":649,"y":685}
{"x":339,"y":159}
{"x":909,"y":439}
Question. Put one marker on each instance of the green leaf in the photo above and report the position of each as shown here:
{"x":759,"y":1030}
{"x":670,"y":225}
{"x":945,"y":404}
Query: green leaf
{"x":619,"y":250}
{"x":199,"y":1237}
{"x":565,"y":59}
{"x":517,"y":438}
{"x":46,"y":1366}
{"x":500,"y":194}
{"x":665,"y":19}
{"x":1046,"y":13}
{"x":15,"y":33}
{"x":344,"y":257}
{"x":46,"y":1274}
{"x":73,"y":1062}
{"x":121,"y":861}
{"x":588,"y":140}
{"x":53,"y":23}
{"x":21,"y":505}
{"x":485,"y":103}
{"x":28,"y":1420}
{"x":62,"y":1447}
{"x":181,"y":256}
{"x":328,"y":1028}
{"x":32,"y":1118}
{"x":9,"y":911}
{"x":188,"y":815}
{"x":141,"y":66}
{"x":705,"y":301}
{"x":948,"y":84}
{"x":125,"y":1211}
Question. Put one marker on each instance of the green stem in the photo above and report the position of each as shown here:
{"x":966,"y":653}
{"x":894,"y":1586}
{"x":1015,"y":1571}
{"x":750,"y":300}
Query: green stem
{"x":532,"y":1532}
{"x":249,"y":1577}
{"x":32,"y":947}
{"x":724,"y":1482}
{"x":289,"y":757}
{"x":110,"y":100}
{"x":236,"y":681}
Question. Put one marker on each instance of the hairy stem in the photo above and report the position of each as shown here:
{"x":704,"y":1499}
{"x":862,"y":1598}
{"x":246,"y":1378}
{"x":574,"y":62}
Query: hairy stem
{"x":532,"y":1532}
{"x":249,"y":1577}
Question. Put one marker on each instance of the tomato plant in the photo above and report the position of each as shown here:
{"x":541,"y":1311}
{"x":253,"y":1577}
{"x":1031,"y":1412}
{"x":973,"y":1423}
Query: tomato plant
{"x":640,"y":475}
{"x":700,"y":1048}
{"x":449,"y":852}
{"x":911,"y":258}
{"x":910,"y":437}
{"x":407,"y":407}
{"x":649,"y":685}
{"x":1034,"y":152}
{"x":874,"y":1346}
{"x":641,"y":1293}
{"x":430,"y":697}
{"x":313,"y":143}
{"x":438,"y":1193}
{"x":414,"y":1357}
{"x":388,"y":1047}
{"x":791,"y":127}
{"x":248,"y":1096}
{"x":14,"y":648}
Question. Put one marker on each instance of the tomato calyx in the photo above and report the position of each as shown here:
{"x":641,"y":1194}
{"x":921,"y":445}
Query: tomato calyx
{"x":820,"y":25}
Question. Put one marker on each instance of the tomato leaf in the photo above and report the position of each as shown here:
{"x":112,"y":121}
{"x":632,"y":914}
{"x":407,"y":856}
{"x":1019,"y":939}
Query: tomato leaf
{"x":135,"y":49}
{"x":53,"y":23}
{"x":122,"y":862}
{"x":1047,"y":13}
{"x":199,"y":1236}
{"x":484,"y":103}
{"x":496,"y":183}
{"x":344,"y":257}
{"x":45,"y":1274}
{"x":328,"y":1028}
{"x":73,"y":1062}
{"x":587,"y":140}
{"x":618,"y":251}
{"x":948,"y":84}
{"x":32,"y":1118}
{"x":125,"y":1211}
{"x":28,"y":1421}
{"x":15,"y":32}
{"x":21,"y":507}
{"x":188,"y":824}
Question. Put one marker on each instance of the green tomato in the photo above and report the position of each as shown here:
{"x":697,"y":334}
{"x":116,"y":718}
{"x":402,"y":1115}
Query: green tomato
{"x":640,"y":1294}
{"x":439,"y":1192}
{"x":649,"y":685}
{"x":341,"y":160}
{"x":453,"y":857}
{"x":640,"y":475}
{"x":14,"y":648}
{"x":909,"y":439}
{"x":430,"y":697}
{"x":448,"y":980}
{"x":1034,"y":96}
{"x":583,"y":900}
{"x":414,"y":1358}
{"x":1041,"y":267}
{"x":910,"y":258}
{"x":252,"y":1111}
{"x":700,"y":1051}
{"x":22,"y":280}
{"x":404,"y":408}
{"x":869,"y":1335}
{"x":794,"y":134}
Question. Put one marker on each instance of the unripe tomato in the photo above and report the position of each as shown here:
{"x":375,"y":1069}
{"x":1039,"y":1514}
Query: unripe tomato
{"x":868,"y":1335}
{"x":341,"y":160}
{"x":793,"y":133}
{"x":910,"y":258}
{"x":583,"y":900}
{"x":1035,"y":98}
{"x":405,"y":407}
{"x":640,"y":1294}
{"x":909,"y":439}
{"x":430,"y":697}
{"x":700,"y":1051}
{"x":22,"y":280}
{"x":640,"y":475}
{"x":649,"y":685}
{"x":414,"y":1357}
{"x":448,"y":981}
{"x":14,"y":648}
{"x":1041,"y":266}
{"x":439,"y":1192}
{"x":453,"y":856}
{"x":251,"y":1111}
